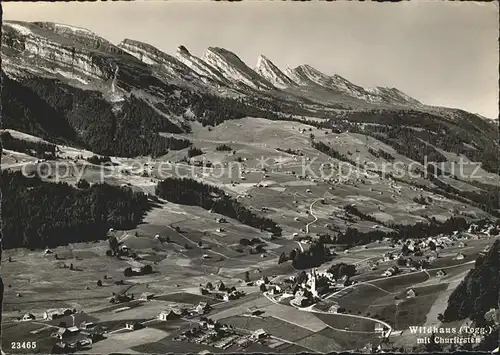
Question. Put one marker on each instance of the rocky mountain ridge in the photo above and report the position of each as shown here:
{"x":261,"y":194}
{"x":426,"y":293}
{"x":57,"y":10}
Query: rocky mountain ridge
{"x":66,"y":69}
{"x":83,"y":55}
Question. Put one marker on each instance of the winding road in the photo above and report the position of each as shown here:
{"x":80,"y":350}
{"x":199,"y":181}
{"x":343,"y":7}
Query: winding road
{"x":312,"y":214}
{"x":369,"y":283}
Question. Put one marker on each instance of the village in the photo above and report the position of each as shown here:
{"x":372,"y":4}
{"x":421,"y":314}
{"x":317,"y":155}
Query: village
{"x":319,"y":291}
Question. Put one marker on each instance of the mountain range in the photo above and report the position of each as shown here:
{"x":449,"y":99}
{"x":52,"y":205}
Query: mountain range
{"x":73,"y":74}
{"x":81,"y":55}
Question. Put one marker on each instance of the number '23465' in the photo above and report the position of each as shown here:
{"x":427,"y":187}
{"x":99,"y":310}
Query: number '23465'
{"x":23,"y":345}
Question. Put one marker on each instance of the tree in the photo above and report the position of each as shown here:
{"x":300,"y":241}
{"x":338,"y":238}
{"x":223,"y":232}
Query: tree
{"x":301,"y":277}
{"x":146,"y":269}
{"x":263,"y":287}
{"x":282,"y":258}
{"x":71,"y":266}
{"x":99,"y":283}
{"x":128,"y":272}
{"x":244,"y":241}
{"x":113,"y":244}
{"x":83,"y":184}
{"x":247,"y":276}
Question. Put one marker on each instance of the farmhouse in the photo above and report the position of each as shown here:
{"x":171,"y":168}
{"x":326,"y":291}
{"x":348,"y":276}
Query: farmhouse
{"x":276,"y":290}
{"x":387,"y":273}
{"x":86,"y":325}
{"x":133,"y":325}
{"x":259,"y":334}
{"x":379,"y":328}
{"x":440,"y":273}
{"x":28,"y":317}
{"x":410,"y":294}
{"x":333,"y":309}
{"x":254,"y":310}
{"x":120,"y":298}
{"x":228,"y":297}
{"x":202,"y":308}
{"x":220,"y":286}
{"x":460,"y":256}
{"x":146,"y":296}
{"x":64,"y":333}
{"x":51,"y":314}
{"x":61,"y":334}
{"x":168,"y":315}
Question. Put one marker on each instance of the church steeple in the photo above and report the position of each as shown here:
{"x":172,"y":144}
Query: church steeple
{"x":313,"y":283}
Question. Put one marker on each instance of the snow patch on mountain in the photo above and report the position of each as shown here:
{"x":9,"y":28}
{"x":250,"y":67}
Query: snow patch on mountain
{"x":306,"y":75}
{"x":153,"y":56}
{"x":22,"y":29}
{"x":269,"y":71}
{"x":234,"y":69}
{"x":73,"y":29}
{"x":393,"y":94}
{"x":198,"y":65}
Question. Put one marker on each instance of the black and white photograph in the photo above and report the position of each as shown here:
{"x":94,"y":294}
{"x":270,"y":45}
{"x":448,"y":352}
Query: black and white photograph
{"x":260,"y":176}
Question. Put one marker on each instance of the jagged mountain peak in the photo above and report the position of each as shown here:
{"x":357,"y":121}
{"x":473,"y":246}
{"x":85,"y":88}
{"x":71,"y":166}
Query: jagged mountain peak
{"x":198,"y":65}
{"x":393,"y":94}
{"x":269,"y":71}
{"x":182,"y":50}
{"x":262,"y":58}
{"x":166,"y":64}
{"x":234,"y":69}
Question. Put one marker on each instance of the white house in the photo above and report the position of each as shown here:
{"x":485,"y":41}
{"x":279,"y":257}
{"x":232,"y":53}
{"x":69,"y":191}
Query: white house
{"x":168,"y":315}
{"x":259,"y":334}
{"x":379,"y":328}
{"x":410,"y":294}
{"x":460,"y":256}
{"x":440,"y":273}
{"x":28,"y":317}
{"x":133,"y":325}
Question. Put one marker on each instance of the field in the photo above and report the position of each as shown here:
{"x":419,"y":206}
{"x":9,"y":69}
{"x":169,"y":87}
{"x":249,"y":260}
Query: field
{"x":198,"y":247}
{"x":345,"y":322}
{"x":274,"y":326}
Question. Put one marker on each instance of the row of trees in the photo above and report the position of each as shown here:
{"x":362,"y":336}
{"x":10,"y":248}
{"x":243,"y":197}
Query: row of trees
{"x":314,"y":257}
{"x":57,"y":214}
{"x":353,"y":237}
{"x":193,"y":193}
{"x":33,"y":148}
{"x":323,"y":148}
{"x":402,"y":129}
{"x":97,"y":160}
{"x":380,"y":153}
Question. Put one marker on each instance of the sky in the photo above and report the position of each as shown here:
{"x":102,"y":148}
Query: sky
{"x":441,"y":53}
